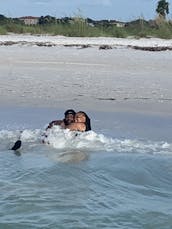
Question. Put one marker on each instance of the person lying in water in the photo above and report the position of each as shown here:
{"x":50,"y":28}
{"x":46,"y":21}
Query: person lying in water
{"x":82,"y":122}
{"x":73,"y":121}
{"x":69,"y":117}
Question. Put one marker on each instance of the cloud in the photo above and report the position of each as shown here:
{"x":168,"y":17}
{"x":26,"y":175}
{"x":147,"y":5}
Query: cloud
{"x":106,"y":2}
{"x":99,"y":2}
{"x":40,"y":2}
{"x":67,"y":3}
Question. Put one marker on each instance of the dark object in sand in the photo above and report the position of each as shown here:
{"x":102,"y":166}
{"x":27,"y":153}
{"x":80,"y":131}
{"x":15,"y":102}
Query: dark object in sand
{"x":153,"y":49}
{"x":105,"y":47}
{"x":17,"y":145}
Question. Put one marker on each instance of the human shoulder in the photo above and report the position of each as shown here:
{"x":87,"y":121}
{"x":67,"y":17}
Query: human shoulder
{"x":55,"y":122}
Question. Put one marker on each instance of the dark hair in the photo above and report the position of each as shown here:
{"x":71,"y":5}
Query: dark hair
{"x":87,"y":122}
{"x":70,"y":111}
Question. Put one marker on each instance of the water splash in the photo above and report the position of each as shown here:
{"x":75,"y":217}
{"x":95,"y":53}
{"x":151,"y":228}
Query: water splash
{"x":88,"y":141}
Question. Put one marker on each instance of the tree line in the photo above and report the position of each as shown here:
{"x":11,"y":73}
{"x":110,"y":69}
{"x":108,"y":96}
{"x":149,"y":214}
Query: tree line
{"x":162,"y":10}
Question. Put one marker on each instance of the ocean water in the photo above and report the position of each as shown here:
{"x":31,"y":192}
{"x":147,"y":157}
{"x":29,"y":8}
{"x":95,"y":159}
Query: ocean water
{"x":119,"y":175}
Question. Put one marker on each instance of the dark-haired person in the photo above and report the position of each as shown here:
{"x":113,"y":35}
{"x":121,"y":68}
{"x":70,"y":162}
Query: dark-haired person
{"x":82,"y":122}
{"x":69,"y":117}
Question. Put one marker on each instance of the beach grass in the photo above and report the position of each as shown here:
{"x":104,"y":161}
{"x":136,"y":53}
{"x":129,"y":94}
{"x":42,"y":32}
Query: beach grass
{"x":80,"y":28}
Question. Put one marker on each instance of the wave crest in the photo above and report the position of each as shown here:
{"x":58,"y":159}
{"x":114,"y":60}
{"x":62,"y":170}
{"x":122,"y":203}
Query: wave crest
{"x":88,"y":141}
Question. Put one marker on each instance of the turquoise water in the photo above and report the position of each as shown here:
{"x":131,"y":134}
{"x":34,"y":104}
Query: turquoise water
{"x":117,"y":176}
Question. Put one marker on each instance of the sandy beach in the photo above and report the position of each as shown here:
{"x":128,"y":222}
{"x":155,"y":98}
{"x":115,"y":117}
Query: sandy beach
{"x":64,"y":74}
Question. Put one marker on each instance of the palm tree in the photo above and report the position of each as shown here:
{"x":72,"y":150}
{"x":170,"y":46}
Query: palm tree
{"x":162,"y":8}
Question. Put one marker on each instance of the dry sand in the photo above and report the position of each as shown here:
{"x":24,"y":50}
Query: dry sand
{"x":118,"y":79}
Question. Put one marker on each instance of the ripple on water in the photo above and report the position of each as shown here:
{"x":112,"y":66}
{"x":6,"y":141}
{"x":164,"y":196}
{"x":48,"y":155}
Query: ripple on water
{"x":108,"y":183}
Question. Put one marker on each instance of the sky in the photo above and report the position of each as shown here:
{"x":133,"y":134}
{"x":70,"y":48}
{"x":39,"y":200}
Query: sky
{"x":122,"y":10}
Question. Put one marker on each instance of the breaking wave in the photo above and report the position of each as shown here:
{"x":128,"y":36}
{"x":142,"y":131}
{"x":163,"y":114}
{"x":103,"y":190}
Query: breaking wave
{"x":91,"y":141}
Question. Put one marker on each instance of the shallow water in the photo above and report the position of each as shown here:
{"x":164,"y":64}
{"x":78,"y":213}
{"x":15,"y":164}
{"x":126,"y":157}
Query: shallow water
{"x":117,"y":176}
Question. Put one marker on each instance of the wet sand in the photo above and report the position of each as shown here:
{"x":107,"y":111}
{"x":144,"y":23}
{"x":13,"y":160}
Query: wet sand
{"x":117,"y":79}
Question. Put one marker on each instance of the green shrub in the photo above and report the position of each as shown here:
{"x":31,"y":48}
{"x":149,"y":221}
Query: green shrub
{"x":3,"y":31}
{"x":78,"y":27}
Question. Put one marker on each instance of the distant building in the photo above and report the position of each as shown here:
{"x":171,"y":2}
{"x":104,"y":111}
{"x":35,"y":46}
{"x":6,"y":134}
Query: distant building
{"x":117,"y":23}
{"x":105,"y":22}
{"x":29,"y":20}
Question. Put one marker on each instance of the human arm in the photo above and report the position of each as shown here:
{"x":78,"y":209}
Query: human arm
{"x":55,"y":122}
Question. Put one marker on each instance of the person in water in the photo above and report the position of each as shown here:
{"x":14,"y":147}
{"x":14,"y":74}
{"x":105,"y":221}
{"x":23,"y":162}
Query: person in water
{"x":82,"y":122}
{"x":69,"y":118}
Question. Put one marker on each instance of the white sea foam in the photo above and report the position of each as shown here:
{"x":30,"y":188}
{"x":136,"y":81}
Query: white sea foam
{"x":88,"y":141}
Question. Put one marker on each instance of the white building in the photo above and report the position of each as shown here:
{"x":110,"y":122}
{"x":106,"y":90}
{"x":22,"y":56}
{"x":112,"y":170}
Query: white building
{"x":29,"y":20}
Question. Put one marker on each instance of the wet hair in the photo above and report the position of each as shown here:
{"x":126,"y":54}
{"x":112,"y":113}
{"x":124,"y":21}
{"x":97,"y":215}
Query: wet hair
{"x":67,"y":112}
{"x":87,"y":122}
{"x":70,"y":111}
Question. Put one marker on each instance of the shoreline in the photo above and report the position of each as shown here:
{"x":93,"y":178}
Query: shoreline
{"x":147,"y":109}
